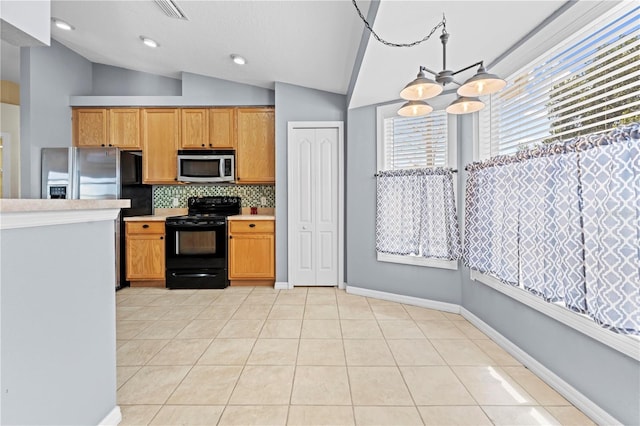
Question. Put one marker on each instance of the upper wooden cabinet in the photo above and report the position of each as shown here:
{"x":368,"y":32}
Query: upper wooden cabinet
{"x":124,"y":126}
{"x":255,"y":145}
{"x":160,"y":141}
{"x":195,"y":128}
{"x":106,"y":127}
{"x":222,"y":128}
{"x":90,"y":127}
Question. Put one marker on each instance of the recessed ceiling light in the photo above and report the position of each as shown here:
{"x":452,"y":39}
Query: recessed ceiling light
{"x":149,"y":42}
{"x":62,"y":25}
{"x":240,"y":60}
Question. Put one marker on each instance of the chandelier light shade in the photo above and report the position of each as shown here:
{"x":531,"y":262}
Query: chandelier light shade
{"x":421,"y":88}
{"x":465,"y":105}
{"x":415,"y":109}
{"x":482,"y":84}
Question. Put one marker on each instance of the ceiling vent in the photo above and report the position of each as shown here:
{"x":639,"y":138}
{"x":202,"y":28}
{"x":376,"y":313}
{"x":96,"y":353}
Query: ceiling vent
{"x":171,"y":9}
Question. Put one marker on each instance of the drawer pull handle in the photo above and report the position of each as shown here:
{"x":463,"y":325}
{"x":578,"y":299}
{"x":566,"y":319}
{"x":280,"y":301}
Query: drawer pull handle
{"x":252,"y":225}
{"x":145,"y":226}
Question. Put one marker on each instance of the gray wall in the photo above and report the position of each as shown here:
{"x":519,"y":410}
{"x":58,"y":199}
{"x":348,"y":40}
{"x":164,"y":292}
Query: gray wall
{"x":58,"y":354}
{"x":48,"y":76}
{"x":115,"y":81}
{"x":604,"y":375}
{"x":52,"y":77}
{"x":200,"y":90}
{"x":295,"y":103}
{"x":364,"y":270}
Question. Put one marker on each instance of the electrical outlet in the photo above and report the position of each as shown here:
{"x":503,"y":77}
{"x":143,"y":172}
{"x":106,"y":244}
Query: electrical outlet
{"x":175,"y":202}
{"x":263,"y":201}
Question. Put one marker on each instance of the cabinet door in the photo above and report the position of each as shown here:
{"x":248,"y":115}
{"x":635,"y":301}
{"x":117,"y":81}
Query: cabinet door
{"x":160,"y":138}
{"x":222,"y":128}
{"x":90,"y":127}
{"x":251,"y":256}
{"x":124,"y":126}
{"x":195,"y":128}
{"x":145,"y":257}
{"x":255,"y":152}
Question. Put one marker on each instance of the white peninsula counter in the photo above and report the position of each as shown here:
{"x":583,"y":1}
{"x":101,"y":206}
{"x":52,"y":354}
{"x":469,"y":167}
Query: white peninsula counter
{"x":57,"y":312}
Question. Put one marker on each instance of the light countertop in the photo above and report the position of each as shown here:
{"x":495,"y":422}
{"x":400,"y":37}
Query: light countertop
{"x":251,"y":217}
{"x":27,"y":205}
{"x":159,"y":215}
{"x":148,"y":218}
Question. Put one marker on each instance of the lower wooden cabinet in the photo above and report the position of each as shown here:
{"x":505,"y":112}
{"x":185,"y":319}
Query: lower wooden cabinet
{"x":252,"y":252}
{"x":145,"y":252}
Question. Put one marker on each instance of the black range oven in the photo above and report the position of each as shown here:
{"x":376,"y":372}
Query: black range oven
{"x":196,"y":244}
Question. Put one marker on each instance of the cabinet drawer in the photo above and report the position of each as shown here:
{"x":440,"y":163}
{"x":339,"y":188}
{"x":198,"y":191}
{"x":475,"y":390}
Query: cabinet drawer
{"x":145,"y":227}
{"x":253,"y":226}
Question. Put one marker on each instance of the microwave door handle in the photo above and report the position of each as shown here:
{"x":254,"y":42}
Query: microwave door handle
{"x":221,"y":168}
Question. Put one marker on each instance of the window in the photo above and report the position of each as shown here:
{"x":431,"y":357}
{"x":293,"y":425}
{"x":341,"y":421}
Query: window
{"x":406,"y":143}
{"x":586,"y":85}
{"x":415,"y":142}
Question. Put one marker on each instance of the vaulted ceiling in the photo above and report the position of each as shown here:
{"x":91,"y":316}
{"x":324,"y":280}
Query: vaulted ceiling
{"x":311,"y":43}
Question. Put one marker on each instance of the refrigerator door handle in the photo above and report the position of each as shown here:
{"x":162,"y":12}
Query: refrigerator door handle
{"x":74,"y":175}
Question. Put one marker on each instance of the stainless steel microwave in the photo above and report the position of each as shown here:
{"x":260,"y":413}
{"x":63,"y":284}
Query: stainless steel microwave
{"x":206,"y":166}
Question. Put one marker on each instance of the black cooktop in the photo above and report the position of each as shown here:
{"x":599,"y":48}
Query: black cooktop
{"x":208,"y":209}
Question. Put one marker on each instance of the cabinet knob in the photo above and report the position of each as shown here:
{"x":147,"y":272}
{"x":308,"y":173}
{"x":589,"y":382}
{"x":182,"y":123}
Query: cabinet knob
{"x":252,"y":225}
{"x":145,"y":226}
{"x":102,"y":144}
{"x":231,"y":237}
{"x":110,"y":145}
{"x":202,"y":144}
{"x":162,"y":238}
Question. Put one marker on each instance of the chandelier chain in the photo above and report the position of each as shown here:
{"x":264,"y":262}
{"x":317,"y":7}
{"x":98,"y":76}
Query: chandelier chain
{"x":442,"y":24}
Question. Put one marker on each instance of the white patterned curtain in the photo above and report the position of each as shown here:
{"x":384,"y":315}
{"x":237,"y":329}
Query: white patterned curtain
{"x":610,"y":174}
{"x":563,"y":221}
{"x":416,"y":214}
{"x":491,"y":222}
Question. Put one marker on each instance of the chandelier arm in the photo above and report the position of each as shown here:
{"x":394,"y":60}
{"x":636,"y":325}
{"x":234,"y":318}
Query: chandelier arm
{"x":428,"y":70}
{"x":442,"y":23}
{"x":469,"y":67}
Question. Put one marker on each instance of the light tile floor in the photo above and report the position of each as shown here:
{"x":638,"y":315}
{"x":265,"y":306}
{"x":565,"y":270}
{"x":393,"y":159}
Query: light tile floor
{"x":315,"y":356}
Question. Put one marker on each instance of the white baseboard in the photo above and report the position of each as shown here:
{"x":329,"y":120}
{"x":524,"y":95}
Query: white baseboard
{"x":572,"y":395}
{"x":282,"y":285}
{"x":113,"y":418}
{"x":407,"y":300}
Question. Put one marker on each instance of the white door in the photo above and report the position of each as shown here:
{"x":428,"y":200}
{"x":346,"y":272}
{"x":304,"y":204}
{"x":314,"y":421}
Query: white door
{"x":314,"y":177}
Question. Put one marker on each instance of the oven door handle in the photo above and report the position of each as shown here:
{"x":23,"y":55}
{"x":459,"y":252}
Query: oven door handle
{"x":193,"y":227}
{"x":193,"y":275}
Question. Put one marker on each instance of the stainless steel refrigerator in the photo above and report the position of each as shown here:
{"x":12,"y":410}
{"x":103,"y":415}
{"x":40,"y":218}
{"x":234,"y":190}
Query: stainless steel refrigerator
{"x":98,"y":174}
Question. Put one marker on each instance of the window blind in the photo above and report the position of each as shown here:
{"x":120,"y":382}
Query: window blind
{"x":588,"y":85}
{"x":415,"y":142}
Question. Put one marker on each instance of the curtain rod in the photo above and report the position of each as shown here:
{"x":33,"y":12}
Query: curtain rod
{"x":452,"y":171}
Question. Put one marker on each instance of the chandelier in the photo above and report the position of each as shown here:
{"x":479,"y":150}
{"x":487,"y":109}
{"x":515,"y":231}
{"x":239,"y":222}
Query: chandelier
{"x":422,"y":88}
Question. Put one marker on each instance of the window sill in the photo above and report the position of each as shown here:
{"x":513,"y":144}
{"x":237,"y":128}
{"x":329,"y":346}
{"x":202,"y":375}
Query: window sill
{"x":418,"y":261}
{"x":628,"y":345}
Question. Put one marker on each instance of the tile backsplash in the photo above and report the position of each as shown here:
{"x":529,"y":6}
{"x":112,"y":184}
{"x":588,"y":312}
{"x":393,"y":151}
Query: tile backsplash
{"x":164,"y":195}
